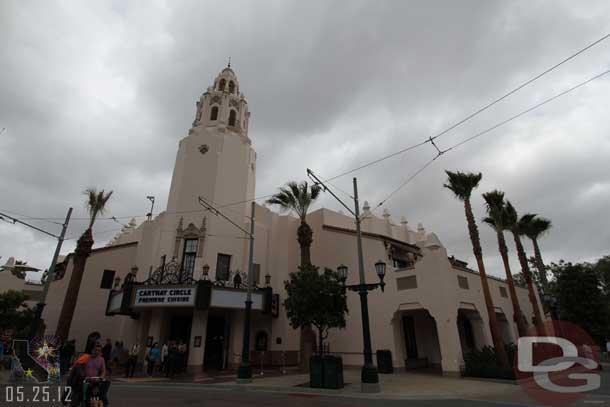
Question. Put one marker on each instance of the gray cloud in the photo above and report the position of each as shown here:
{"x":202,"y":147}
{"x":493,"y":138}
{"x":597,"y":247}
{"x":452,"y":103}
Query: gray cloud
{"x":99,"y":94}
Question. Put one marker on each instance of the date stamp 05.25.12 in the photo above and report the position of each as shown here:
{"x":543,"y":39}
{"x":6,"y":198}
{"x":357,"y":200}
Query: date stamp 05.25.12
{"x":34,"y":395}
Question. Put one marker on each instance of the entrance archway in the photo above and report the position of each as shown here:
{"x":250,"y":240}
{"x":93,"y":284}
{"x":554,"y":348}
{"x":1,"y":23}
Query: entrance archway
{"x":420,"y":343}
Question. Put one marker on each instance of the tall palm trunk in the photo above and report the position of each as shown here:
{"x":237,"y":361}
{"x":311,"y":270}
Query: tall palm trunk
{"x":517,"y":313}
{"x":540,"y":266}
{"x":82,"y":252}
{"x":493,"y":320}
{"x":305,"y":239}
{"x":528,"y":279}
{"x":308,"y":336}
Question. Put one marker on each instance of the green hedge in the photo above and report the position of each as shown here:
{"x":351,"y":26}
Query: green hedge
{"x":484,"y":363}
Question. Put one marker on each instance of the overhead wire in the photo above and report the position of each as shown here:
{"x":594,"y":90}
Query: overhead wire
{"x":476,"y":112}
{"x":488,"y":130}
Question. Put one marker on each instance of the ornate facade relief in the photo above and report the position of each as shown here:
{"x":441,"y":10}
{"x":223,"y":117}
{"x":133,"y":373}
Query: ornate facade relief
{"x":234,"y":103}
{"x":215,"y":99}
{"x":191,"y":232}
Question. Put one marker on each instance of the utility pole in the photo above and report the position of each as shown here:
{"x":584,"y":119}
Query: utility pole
{"x":152,"y":206}
{"x":37,"y":325}
{"x":51,"y":273}
{"x":369,"y":374}
{"x":244,"y":372}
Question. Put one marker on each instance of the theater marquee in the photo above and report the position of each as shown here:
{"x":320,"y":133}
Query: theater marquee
{"x":132,"y":299}
{"x":164,"y":296}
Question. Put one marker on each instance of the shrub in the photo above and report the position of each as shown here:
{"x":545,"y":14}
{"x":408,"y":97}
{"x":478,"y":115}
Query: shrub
{"x":484,"y":363}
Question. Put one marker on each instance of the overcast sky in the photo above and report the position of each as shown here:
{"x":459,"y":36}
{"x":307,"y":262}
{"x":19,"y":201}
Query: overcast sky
{"x":100,"y":93}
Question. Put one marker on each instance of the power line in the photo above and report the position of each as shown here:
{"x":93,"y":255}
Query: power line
{"x":476,"y":112}
{"x":488,"y":130}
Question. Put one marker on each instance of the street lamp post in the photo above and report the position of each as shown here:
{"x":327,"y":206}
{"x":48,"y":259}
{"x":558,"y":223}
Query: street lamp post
{"x":369,"y":375}
{"x":244,"y":372}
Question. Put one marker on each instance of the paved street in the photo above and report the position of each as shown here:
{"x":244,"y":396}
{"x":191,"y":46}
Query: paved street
{"x":399,"y":390}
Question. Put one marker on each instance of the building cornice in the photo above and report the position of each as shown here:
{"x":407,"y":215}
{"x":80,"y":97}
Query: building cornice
{"x":371,"y":235}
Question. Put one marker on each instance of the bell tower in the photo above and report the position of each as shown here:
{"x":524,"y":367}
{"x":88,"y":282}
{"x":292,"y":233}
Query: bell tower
{"x":223,"y":107}
{"x":217,"y":162}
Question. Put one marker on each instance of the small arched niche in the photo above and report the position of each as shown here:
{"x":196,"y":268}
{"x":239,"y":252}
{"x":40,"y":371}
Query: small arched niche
{"x":214,"y":113}
{"x":232,"y":118}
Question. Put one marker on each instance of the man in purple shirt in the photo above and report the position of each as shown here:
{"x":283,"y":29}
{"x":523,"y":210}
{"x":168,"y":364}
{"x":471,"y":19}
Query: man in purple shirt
{"x":95,"y":366}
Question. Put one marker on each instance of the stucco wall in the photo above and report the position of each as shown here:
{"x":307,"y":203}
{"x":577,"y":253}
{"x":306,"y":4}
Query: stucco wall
{"x":89,"y":314}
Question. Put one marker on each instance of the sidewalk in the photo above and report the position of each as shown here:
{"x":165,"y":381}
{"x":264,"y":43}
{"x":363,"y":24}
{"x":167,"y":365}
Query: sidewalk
{"x":393,"y":386}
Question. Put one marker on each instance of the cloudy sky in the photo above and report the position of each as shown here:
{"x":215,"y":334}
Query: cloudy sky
{"x":100,"y":93}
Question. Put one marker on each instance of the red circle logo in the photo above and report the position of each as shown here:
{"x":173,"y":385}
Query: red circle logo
{"x":557,"y":364}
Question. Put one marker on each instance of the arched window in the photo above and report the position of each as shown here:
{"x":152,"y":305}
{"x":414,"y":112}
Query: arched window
{"x":231,"y":87}
{"x":214,"y":113}
{"x":232,"y":118}
{"x":221,"y":85}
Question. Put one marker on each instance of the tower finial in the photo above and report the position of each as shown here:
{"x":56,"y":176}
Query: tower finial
{"x":229,"y":64}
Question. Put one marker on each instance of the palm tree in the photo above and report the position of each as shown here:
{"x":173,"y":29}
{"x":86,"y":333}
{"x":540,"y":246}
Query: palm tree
{"x":298,"y":198}
{"x":96,"y":204}
{"x":534,"y":228}
{"x":462,"y":184}
{"x":494,"y":201}
{"x":512,"y":219}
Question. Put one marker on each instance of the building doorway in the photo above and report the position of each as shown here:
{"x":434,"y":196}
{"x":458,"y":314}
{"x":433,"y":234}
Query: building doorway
{"x":417,"y":333}
{"x":180,"y":328}
{"x":215,"y":338}
{"x":408,"y":325}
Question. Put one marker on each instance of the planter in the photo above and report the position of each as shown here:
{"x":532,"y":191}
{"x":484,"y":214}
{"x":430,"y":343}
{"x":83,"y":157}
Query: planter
{"x":326,"y":372}
{"x":316,"y":372}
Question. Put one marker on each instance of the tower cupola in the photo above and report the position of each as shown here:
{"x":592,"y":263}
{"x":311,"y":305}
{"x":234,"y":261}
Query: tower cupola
{"x":222,"y":105}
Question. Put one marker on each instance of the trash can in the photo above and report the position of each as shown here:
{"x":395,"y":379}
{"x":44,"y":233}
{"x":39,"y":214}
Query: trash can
{"x":384,"y":361}
{"x":316,"y":372}
{"x":333,"y":372}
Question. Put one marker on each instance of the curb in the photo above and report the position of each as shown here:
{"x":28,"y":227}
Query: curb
{"x":297,"y":392}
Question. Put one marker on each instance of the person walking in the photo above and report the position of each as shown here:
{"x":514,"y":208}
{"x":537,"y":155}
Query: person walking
{"x":107,"y":354}
{"x":65,"y":355}
{"x":181,"y":362}
{"x":152,"y":357}
{"x":172,"y":355}
{"x":132,"y":360}
{"x":115,"y":354}
{"x":164,"y":353}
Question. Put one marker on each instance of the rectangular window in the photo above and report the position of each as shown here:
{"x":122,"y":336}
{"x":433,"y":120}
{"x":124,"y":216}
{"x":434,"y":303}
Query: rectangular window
{"x":406,"y":283}
{"x":401,"y":257}
{"x":107,"y":279}
{"x":503,"y":292}
{"x":400,"y":264}
{"x":223,"y":264}
{"x":188,"y":257}
{"x":463,"y":282}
